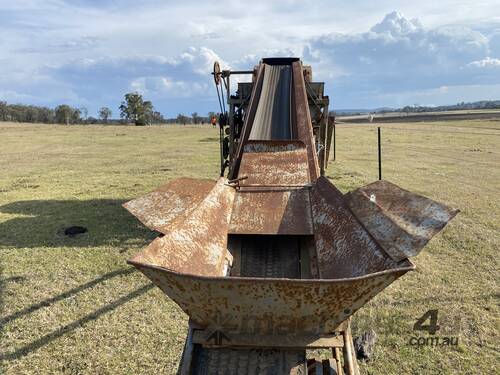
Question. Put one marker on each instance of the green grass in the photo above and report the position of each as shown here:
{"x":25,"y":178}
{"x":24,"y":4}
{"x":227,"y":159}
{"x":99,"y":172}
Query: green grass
{"x":72,"y":305}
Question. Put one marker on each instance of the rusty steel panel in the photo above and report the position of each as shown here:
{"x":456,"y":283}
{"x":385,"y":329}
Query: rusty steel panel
{"x":188,"y":265}
{"x":344,"y":248}
{"x":268,"y":306}
{"x":274,"y":163}
{"x":402,"y":222}
{"x":289,"y":340}
{"x":197,"y":244}
{"x":302,"y":118}
{"x":272,"y":212}
{"x":177,"y":199}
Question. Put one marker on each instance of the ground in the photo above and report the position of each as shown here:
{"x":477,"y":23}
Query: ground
{"x":72,"y":305}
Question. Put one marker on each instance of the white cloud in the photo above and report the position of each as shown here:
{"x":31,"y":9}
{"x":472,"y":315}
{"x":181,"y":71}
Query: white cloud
{"x":91,"y":52}
{"x":173,"y":84}
{"x":200,"y":60}
{"x":488,"y":62}
{"x":166,"y":87}
{"x":398,"y":55}
{"x":396,"y":25}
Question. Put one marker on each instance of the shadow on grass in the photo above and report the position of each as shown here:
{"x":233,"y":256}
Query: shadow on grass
{"x":3,"y":283}
{"x":41,"y":223}
{"x":44,"y":340}
{"x":72,"y":326}
{"x":69,"y":293}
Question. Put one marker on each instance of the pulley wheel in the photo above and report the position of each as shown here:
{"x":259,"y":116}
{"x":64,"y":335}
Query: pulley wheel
{"x":217,"y":73}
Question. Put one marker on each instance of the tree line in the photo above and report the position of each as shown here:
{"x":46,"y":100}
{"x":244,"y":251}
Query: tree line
{"x":194,"y":119}
{"x":62,"y":114}
{"x":416,"y":108}
{"x":133,"y":109}
{"x":482,"y":104}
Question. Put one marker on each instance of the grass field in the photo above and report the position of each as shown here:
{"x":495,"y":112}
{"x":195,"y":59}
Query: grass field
{"x":72,"y":305}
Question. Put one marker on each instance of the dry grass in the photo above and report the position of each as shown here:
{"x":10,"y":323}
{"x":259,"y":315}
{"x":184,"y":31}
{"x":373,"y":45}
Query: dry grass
{"x":71,"y":305}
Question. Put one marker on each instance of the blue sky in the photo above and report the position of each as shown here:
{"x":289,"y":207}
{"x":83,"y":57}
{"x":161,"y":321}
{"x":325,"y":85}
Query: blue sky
{"x":370,"y":54}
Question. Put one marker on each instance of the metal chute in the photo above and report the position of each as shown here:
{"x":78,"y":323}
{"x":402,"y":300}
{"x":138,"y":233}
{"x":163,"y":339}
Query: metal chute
{"x":402,"y":222}
{"x":277,"y":244}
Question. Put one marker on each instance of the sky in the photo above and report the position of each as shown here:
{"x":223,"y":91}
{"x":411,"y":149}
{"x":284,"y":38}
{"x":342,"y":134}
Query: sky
{"x":89,"y":53}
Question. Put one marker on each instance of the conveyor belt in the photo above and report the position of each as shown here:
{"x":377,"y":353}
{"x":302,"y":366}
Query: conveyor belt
{"x":270,"y":256}
{"x":273,"y":116}
{"x":249,"y":361}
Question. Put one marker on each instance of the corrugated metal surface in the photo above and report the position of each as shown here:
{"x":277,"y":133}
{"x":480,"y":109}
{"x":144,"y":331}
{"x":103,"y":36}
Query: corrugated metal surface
{"x":402,"y":222}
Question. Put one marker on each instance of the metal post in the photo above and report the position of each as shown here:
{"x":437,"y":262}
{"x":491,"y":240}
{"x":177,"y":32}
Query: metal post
{"x":349,"y":355}
{"x":334,"y":147}
{"x":379,"y":155}
{"x":221,"y":144}
{"x":336,"y":355}
{"x":230,"y":120}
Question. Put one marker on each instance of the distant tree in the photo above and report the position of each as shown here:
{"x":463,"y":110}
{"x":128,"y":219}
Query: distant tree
{"x":195,"y":117}
{"x":92,"y":120}
{"x":46,"y":115}
{"x":30,"y":114}
{"x":182,"y":119}
{"x":15,"y":113}
{"x":157,"y":117}
{"x":134,"y":108}
{"x":4,"y":111}
{"x":131,"y":108}
{"x":104,"y":114}
{"x":76,"y":116}
{"x":64,"y":114}
{"x":147,"y":113}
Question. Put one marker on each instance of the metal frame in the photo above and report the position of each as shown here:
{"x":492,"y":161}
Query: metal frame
{"x":340,"y":342}
{"x":236,"y":103}
{"x":318,"y":105}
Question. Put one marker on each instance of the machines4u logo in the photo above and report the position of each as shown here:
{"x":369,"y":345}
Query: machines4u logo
{"x":429,"y":323}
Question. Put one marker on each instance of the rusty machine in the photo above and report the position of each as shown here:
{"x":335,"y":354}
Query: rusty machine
{"x":273,"y":260}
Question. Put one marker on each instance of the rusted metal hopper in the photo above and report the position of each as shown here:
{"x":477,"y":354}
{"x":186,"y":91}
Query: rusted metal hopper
{"x":254,"y":256}
{"x":279,"y":249}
